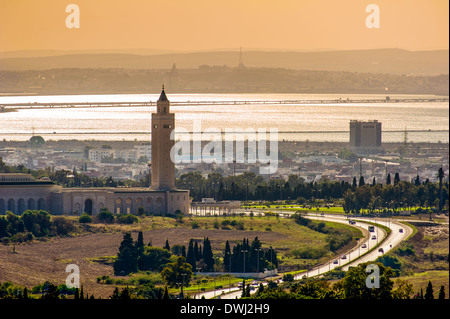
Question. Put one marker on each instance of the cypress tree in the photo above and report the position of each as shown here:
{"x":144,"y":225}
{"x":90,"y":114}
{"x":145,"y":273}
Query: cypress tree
{"x":127,"y":258}
{"x":166,"y":293}
{"x":388,"y":179}
{"x":140,"y":244}
{"x":167,"y":246}
{"x":208,"y":256}
{"x":429,"y":291}
{"x":396,"y":178}
{"x":197,"y":252}
{"x":190,"y":258}
{"x":361,"y":181}
{"x":81,"y":293}
{"x":227,"y":257}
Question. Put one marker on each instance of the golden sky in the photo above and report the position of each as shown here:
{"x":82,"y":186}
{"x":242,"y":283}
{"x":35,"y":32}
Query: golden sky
{"x":190,"y":25}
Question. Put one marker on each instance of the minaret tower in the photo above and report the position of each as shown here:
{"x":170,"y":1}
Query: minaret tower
{"x":163,"y":123}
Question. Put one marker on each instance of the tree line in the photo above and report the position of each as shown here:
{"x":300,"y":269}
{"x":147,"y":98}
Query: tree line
{"x":177,"y":264}
{"x":399,"y":194}
{"x":246,"y":257}
{"x":352,"y":285}
{"x":359,"y":194}
{"x":32,"y":224}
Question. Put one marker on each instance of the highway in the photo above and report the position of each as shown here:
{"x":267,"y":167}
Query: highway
{"x":366,"y":250}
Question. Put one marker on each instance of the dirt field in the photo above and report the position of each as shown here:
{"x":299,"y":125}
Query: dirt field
{"x":35,"y":263}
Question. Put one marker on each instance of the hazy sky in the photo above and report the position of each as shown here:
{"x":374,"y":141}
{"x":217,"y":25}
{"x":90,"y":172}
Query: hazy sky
{"x":218,"y":24}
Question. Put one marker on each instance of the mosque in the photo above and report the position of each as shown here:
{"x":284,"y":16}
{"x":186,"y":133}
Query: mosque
{"x":19,"y":192}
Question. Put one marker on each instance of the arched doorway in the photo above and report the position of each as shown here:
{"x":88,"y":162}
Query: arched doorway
{"x":31,"y":204}
{"x":20,"y":206}
{"x":2,"y":206}
{"x":159,"y":206}
{"x":118,"y":206}
{"x":88,"y":206}
{"x":41,"y":204}
{"x":12,"y":205}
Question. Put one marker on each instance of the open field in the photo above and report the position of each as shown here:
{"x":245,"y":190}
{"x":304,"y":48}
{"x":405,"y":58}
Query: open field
{"x":94,"y":248}
{"x":34,"y":263}
{"x":430,"y":260}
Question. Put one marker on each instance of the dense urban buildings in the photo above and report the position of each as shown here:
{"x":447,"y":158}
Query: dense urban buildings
{"x":19,"y":192}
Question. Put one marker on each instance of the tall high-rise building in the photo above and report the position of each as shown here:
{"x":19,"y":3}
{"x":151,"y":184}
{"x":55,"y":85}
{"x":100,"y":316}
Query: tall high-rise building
{"x":163,"y":124}
{"x":365,"y":136}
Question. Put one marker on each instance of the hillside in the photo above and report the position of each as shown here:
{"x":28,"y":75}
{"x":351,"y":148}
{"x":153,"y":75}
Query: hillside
{"x":207,"y":79}
{"x":392,"y":61}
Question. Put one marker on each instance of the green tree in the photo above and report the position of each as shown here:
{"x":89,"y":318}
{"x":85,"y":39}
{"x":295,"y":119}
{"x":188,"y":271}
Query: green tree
{"x":105,"y":216}
{"x":388,"y":179}
{"x":208,"y":256}
{"x":177,"y":273}
{"x":354,"y":283}
{"x":140,"y":244}
{"x":403,"y":290}
{"x":190,"y":258}
{"x":153,"y":258}
{"x":37,"y":141}
{"x":127,"y":258}
{"x":51,"y":293}
{"x":85,"y":219}
{"x":396,"y":178}
{"x":227,"y":257}
{"x":37,"y":222}
{"x":167,"y":246}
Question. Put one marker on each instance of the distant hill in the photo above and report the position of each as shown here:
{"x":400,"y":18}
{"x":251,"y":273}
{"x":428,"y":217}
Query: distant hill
{"x":215,"y":79}
{"x":390,"y":61}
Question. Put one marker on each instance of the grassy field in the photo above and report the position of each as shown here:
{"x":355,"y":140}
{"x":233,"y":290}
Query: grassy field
{"x":428,"y":259}
{"x":95,"y":245}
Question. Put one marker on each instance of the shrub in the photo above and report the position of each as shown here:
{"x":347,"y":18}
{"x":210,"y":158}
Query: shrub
{"x":194,"y":224}
{"x":288,"y":277}
{"x":308,"y":253}
{"x":127,"y":219}
{"x":105,"y":216}
{"x":85,"y":218}
{"x":226,"y":222}
{"x":62,"y":226}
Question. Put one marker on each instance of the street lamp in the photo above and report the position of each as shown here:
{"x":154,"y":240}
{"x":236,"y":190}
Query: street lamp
{"x":257,"y":260}
{"x":182,"y":295}
{"x":244,"y":251}
{"x":229,"y":270}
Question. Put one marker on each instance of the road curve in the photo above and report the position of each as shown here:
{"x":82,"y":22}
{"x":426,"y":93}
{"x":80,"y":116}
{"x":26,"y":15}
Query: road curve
{"x":356,"y":255}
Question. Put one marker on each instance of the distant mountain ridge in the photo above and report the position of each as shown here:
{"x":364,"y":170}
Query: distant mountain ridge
{"x":390,"y":61}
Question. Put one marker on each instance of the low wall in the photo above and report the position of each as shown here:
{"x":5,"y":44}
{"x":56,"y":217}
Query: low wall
{"x":256,"y":275}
